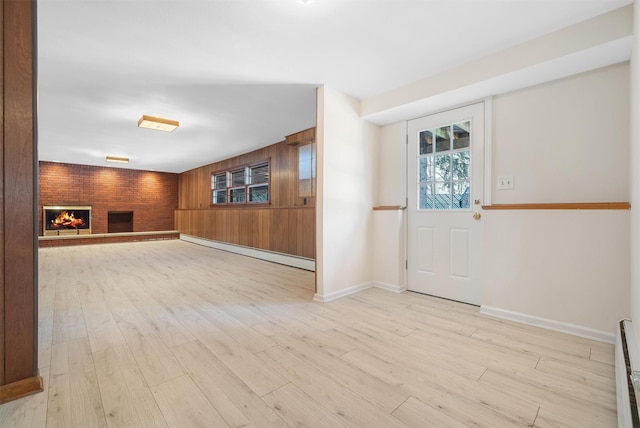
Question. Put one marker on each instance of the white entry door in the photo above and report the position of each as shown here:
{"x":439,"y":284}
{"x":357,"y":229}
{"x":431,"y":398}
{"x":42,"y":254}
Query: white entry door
{"x":445,"y":171}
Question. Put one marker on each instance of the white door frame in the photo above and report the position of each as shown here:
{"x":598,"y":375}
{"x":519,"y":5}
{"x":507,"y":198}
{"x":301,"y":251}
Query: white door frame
{"x":487,"y":161}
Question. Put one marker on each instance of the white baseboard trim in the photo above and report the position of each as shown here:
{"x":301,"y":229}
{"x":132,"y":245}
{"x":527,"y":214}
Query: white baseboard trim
{"x":356,"y":289}
{"x":562,"y":327}
{"x":270,"y":256}
{"x":389,"y":287}
{"x":324,"y":298}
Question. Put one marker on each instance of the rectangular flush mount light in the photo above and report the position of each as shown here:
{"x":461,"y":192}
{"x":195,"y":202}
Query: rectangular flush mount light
{"x":159,"y":123}
{"x":117,"y":159}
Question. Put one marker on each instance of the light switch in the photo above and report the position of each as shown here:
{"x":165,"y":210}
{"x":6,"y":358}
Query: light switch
{"x":505,"y":182}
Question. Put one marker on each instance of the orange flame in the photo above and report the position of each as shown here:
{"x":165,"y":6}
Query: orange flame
{"x":67,"y":220}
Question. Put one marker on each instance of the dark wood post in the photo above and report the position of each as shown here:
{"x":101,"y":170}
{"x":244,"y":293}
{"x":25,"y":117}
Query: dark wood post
{"x":18,"y":203}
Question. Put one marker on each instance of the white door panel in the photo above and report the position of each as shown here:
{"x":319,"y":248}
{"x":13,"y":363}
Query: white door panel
{"x":425,"y":249}
{"x":445,"y":187}
{"x":459,"y":256}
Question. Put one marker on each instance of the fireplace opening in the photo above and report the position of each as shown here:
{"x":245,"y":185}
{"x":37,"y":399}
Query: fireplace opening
{"x":70,"y":220}
{"x":120,"y":221}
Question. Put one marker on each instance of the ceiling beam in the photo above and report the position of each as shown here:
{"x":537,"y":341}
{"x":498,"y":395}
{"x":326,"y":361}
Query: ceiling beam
{"x":588,"y":45}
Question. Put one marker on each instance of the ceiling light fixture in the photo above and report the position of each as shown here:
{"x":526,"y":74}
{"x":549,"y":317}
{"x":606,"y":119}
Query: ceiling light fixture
{"x":159,"y":123}
{"x":117,"y":159}
{"x":305,"y":1}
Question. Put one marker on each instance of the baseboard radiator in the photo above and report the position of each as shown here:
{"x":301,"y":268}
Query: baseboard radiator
{"x":627,"y":374}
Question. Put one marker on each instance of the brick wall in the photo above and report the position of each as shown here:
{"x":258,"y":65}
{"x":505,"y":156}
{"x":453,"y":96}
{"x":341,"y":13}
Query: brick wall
{"x":152,"y":196}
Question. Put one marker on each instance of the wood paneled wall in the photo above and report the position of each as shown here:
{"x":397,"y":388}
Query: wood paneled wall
{"x":18,"y":252}
{"x":285,"y":230}
{"x":286,"y":225}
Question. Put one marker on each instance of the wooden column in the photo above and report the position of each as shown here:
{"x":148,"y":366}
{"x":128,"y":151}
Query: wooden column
{"x":18,"y":198}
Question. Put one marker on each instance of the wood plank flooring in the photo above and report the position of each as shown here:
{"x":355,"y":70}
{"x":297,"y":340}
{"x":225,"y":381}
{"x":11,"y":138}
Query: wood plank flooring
{"x":171,"y":334}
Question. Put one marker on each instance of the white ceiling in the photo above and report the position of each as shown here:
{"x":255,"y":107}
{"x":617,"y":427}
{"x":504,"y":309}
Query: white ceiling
{"x":241,"y":74}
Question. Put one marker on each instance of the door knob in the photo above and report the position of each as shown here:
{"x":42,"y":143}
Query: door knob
{"x":476,"y":216}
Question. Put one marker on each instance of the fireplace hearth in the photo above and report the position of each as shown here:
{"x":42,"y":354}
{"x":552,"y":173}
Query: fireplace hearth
{"x":66,"y":220}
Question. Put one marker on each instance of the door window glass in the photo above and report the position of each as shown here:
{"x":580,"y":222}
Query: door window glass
{"x":444,"y":175}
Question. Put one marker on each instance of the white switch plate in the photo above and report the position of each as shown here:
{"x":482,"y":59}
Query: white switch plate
{"x":505,"y":182}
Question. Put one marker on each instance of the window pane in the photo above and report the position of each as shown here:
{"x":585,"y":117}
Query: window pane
{"x":304,"y":161}
{"x":220,"y":181}
{"x":237,"y":177}
{"x":425,"y":196}
{"x":259,"y":174}
{"x":304,"y":187}
{"x":461,"y":165}
{"x":237,"y":195}
{"x":461,"y":134}
{"x":443,"y":139}
{"x":304,"y":170}
{"x":259,"y":194}
{"x":442,"y":167}
{"x":444,"y":175}
{"x":425,"y":169}
{"x":219,"y":196}
{"x":442,"y":199}
{"x":461,"y":195}
{"x":426,"y":142}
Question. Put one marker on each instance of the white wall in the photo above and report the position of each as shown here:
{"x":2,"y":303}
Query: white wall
{"x":347,"y":164}
{"x":392,"y":189}
{"x":389,"y":250}
{"x":389,"y":226}
{"x":569,"y":268}
{"x":634,"y":190}
{"x":563,"y":141}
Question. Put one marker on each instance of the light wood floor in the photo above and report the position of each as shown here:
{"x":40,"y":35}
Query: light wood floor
{"x":173,"y":334}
